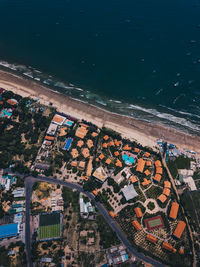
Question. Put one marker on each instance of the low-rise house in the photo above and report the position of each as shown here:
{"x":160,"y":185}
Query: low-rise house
{"x":151,"y":238}
{"x":100,"y":174}
{"x":137,"y":225}
{"x":140,"y":165}
{"x":138,"y":212}
{"x":162,"y":198}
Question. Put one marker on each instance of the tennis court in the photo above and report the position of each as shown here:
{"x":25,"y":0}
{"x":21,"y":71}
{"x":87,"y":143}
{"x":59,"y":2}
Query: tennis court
{"x":154,"y":223}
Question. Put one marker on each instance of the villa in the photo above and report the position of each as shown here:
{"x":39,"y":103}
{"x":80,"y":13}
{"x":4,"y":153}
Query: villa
{"x":138,"y":212}
{"x":174,"y":211}
{"x":179,"y":229}
{"x":137,"y":225}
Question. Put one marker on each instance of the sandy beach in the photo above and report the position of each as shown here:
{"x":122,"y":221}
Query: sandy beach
{"x":143,"y":132}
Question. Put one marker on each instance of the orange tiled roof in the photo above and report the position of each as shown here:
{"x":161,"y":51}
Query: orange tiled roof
{"x":146,"y":182}
{"x":95,"y":192}
{"x":85,"y":152}
{"x":106,"y":137}
{"x":80,"y":143}
{"x":111,"y":143}
{"x":162,"y":198}
{"x":117,"y":143}
{"x":147,"y":154}
{"x":148,"y":163}
{"x":62,"y":131}
{"x":118,"y":163}
{"x":89,"y":143}
{"x":140,"y":165}
{"x":104,"y":145}
{"x":166,"y":191}
{"x":73,"y":163}
{"x":167,"y":184}
{"x":179,"y":229}
{"x":167,"y":246}
{"x":127,"y":147}
{"x":147,"y":172}
{"x":159,"y":170}
{"x":116,"y":153}
{"x":112,"y":214}
{"x":181,"y":251}
{"x":74,"y":153}
{"x":94,"y":134}
{"x":157,"y":178}
{"x":138,"y":212}
{"x":47,"y":137}
{"x":108,"y":161}
{"x":57,"y":119}
{"x":12,"y":102}
{"x":136,"y":150}
{"x":101,"y":156}
{"x":133,"y":179}
{"x":136,"y":224}
{"x":158,"y":163}
{"x":151,"y":238}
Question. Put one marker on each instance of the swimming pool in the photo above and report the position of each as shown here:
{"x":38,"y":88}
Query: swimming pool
{"x":68,"y":144}
{"x":68,"y":123}
{"x":6,"y":113}
{"x":128,"y":160}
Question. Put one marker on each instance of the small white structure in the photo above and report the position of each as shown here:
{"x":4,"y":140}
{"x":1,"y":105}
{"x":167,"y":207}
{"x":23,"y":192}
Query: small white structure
{"x":129,"y":192}
{"x":190,"y":182}
{"x":52,"y":129}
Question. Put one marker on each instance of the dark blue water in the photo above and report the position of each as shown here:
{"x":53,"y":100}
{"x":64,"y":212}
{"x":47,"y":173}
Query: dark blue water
{"x":136,"y":57}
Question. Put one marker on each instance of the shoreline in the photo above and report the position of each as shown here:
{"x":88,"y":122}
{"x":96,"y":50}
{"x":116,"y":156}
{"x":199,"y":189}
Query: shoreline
{"x":145,"y":133}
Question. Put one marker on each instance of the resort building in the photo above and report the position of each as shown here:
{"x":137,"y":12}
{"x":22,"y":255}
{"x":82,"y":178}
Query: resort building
{"x":101,"y":156}
{"x":106,"y":137}
{"x":138,"y":212}
{"x":58,"y":119}
{"x":137,"y":225}
{"x":181,"y":251}
{"x":118,"y":163}
{"x":116,"y":256}
{"x":81,"y":131}
{"x":147,"y":154}
{"x":94,"y":134}
{"x":157,"y":178}
{"x":147,"y":173}
{"x":85,"y":152}
{"x":159,"y":170}
{"x":151,"y":238}
{"x":129,"y":192}
{"x":174,"y":211}
{"x":136,"y":150}
{"x":80,"y":143}
{"x":167,"y":184}
{"x":63,"y":131}
{"x":81,"y":165}
{"x":111,"y":143}
{"x":112,"y":214}
{"x":12,"y":102}
{"x":108,"y":161}
{"x":74,"y":153}
{"x":162,"y":198}
{"x":104,"y":145}
{"x":127,"y":147}
{"x":146,"y":182}
{"x":133,"y":179}
{"x":148,"y":163}
{"x":52,"y":129}
{"x":90,"y":143}
{"x":74,"y":163}
{"x":158,"y":163}
{"x":117,"y":143}
{"x":6,"y":181}
{"x":100,"y":174}
{"x":116,"y":153}
{"x":167,"y":246}
{"x":179,"y":229}
{"x":95,"y":193}
{"x":166,"y":192}
{"x":140,"y":166}
{"x":49,"y":138}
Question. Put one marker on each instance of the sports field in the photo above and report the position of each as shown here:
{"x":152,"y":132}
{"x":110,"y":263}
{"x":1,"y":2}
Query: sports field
{"x":153,"y":223}
{"x":49,"y":219}
{"x":49,"y":226}
{"x":49,"y":231}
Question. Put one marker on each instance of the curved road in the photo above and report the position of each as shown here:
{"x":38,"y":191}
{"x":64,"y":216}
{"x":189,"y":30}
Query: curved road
{"x":29,"y":183}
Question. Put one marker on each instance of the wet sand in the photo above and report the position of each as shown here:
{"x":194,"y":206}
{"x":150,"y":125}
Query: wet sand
{"x":143,"y":132}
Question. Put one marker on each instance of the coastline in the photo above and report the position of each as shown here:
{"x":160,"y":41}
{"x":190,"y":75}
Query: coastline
{"x":145,"y":133}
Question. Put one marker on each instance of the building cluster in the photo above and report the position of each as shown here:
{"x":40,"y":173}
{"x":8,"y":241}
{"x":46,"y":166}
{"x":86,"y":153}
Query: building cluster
{"x":6,"y":181}
{"x":59,"y":126}
{"x":87,"y":211}
{"x":117,"y":255}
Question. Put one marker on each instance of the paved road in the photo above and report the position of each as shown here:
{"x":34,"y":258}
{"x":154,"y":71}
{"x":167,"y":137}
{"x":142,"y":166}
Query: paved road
{"x":102,"y":210}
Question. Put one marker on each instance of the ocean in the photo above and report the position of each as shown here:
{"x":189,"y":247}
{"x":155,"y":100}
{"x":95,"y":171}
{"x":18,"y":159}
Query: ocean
{"x":140,"y":58}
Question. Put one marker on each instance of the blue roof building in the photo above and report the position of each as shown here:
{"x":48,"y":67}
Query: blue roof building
{"x":8,"y":230}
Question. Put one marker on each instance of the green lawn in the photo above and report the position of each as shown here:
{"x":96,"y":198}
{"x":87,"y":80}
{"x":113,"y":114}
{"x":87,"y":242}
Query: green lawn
{"x":49,"y":231}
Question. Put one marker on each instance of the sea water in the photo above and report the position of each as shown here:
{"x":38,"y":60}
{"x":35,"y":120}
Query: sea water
{"x":135,"y":57}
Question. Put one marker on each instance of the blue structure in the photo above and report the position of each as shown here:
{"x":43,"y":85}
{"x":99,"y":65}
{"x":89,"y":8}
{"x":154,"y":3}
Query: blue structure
{"x":128,"y":160}
{"x":68,"y":144}
{"x":8,"y":230}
